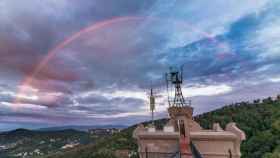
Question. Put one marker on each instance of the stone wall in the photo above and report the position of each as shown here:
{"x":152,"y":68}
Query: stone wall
{"x":158,"y":144}
{"x":213,"y":144}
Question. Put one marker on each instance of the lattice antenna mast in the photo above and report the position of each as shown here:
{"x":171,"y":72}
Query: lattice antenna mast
{"x":175,"y":78}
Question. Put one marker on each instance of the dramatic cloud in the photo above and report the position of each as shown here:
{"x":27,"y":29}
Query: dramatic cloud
{"x":93,"y":62}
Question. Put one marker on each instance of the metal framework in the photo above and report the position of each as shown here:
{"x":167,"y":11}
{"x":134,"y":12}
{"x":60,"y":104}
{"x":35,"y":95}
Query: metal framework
{"x":175,"y":78}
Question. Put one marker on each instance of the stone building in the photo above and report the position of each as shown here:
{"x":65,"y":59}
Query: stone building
{"x":185,"y":138}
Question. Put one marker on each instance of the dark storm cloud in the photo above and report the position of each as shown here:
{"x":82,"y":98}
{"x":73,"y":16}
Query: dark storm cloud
{"x":103,"y":105}
{"x":29,"y":30}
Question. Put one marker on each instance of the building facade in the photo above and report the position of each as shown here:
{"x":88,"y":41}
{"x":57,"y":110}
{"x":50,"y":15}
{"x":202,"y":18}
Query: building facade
{"x":183,"y":137}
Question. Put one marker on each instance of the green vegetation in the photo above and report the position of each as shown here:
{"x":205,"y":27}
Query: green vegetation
{"x":103,"y":148}
{"x":260,"y":122}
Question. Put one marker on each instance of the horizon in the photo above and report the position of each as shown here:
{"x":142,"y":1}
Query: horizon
{"x":120,"y":125}
{"x":74,"y":63}
{"x":114,"y":126}
{"x":67,"y":127}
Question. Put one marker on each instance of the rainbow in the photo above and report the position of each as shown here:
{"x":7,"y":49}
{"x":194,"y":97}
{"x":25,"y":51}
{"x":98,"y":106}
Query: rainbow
{"x":96,"y":26}
{"x":28,"y":80}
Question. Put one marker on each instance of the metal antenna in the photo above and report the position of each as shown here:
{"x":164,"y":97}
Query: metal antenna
{"x":182,"y":70}
{"x":167,"y":88}
{"x":175,"y":77}
{"x":152,"y":104}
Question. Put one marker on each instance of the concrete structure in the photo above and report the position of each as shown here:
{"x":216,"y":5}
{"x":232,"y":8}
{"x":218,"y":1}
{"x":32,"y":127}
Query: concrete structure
{"x":182,"y":135}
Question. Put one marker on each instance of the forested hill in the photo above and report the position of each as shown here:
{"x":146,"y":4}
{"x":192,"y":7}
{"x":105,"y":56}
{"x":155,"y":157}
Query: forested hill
{"x":260,"y":120}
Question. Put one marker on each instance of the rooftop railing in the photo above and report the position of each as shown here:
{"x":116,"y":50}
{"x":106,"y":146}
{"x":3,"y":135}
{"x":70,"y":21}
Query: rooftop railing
{"x":195,"y":152}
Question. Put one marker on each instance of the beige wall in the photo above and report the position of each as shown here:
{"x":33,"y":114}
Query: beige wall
{"x":158,"y":147}
{"x":162,"y":146}
{"x":217,"y":148}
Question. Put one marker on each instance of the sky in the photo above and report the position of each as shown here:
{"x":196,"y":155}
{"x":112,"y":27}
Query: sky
{"x":92,"y":62}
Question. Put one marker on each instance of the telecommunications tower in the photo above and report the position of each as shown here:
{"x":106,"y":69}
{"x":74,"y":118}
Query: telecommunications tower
{"x":174,"y":80}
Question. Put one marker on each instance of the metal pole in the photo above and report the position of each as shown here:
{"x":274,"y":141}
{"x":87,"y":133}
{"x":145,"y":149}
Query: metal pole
{"x":230,"y":154}
{"x":146,"y":152}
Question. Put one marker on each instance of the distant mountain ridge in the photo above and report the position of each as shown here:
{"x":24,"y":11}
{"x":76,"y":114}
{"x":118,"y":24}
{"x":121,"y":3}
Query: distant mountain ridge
{"x":80,"y":128}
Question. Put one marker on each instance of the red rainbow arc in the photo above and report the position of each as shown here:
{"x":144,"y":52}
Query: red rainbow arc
{"x":94,"y":27}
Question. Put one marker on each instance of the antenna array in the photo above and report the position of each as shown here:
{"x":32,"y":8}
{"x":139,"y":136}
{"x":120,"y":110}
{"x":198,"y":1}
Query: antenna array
{"x":174,"y":80}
